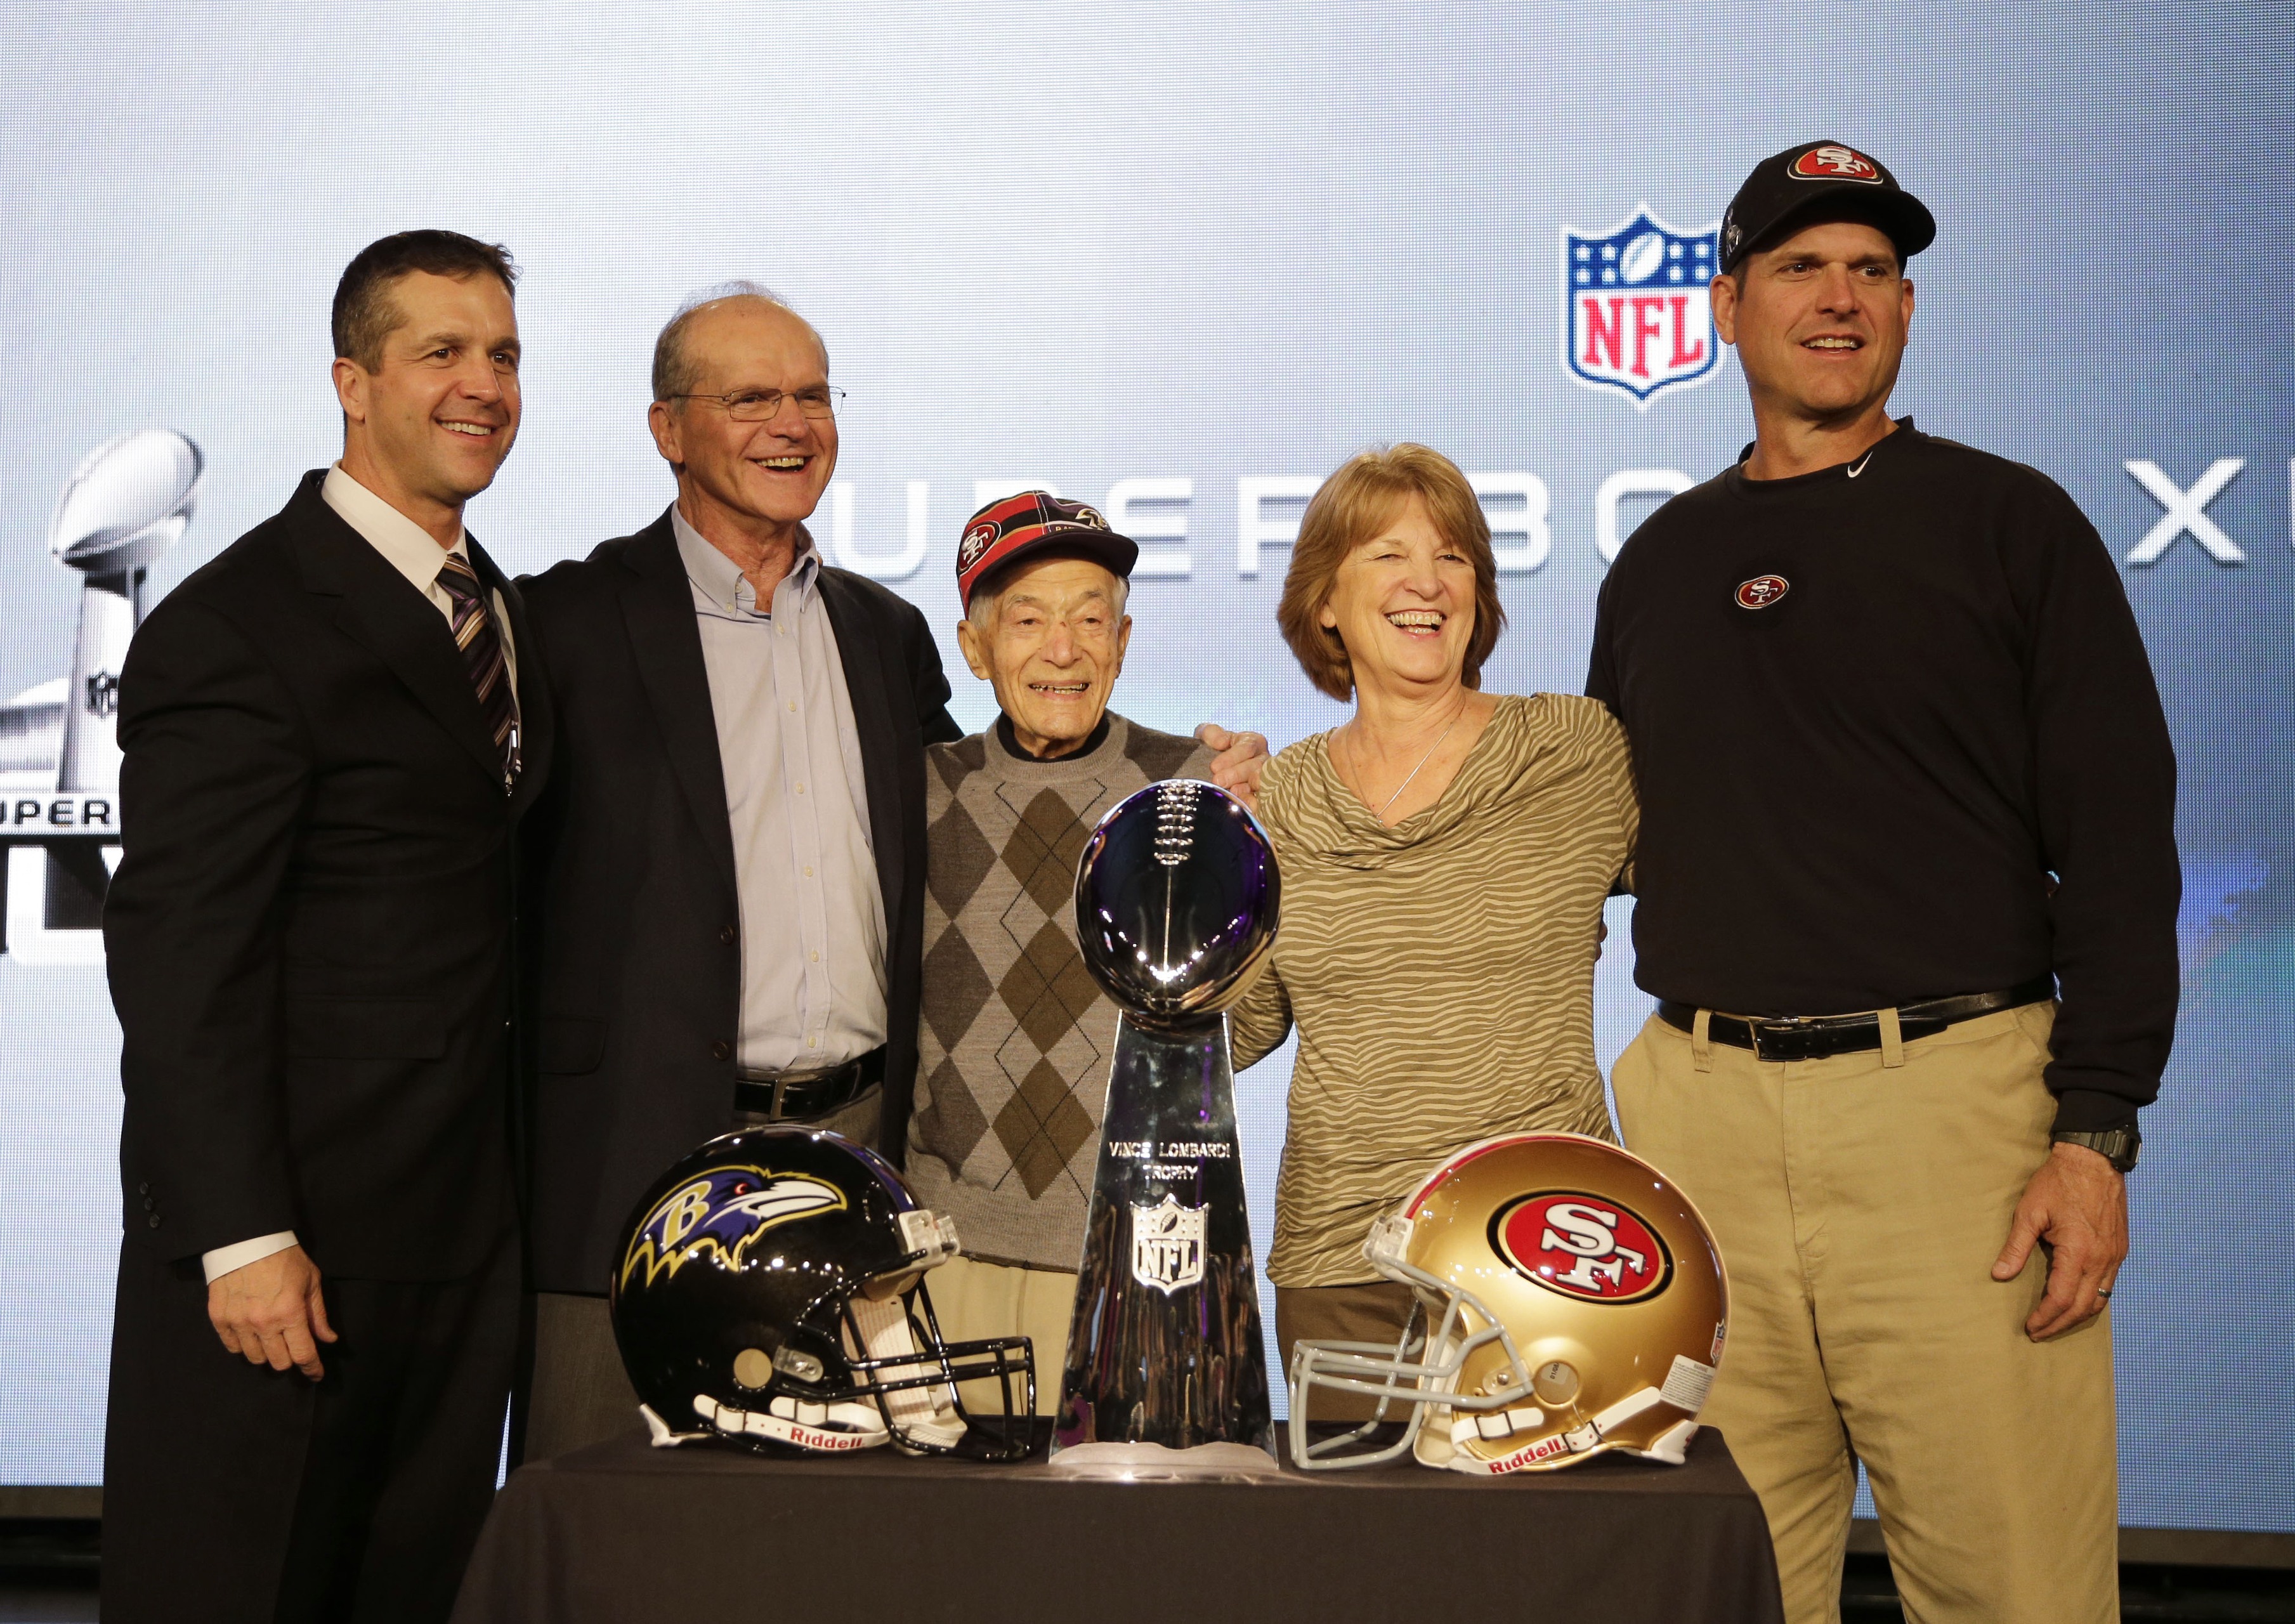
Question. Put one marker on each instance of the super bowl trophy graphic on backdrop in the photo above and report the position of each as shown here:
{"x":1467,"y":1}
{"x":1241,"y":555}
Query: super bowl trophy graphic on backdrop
{"x":125,"y":504}
{"x":1177,"y":898}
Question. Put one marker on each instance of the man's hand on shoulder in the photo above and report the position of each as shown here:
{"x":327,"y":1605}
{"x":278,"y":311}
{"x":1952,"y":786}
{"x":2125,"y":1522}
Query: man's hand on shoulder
{"x":269,"y":1312}
{"x":2076,"y":1204}
{"x":1239,"y":763}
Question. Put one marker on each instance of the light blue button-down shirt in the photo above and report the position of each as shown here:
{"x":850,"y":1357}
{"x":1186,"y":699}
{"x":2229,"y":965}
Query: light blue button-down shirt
{"x":812,"y":913}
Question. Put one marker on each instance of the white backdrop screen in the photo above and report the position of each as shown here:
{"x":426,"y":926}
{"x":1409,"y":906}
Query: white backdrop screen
{"x":1181,"y":261}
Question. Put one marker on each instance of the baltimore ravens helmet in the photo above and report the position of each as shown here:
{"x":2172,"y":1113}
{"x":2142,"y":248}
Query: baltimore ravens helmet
{"x":770,"y":1291}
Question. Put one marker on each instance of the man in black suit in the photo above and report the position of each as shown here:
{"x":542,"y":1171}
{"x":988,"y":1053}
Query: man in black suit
{"x":330,"y":733}
{"x":727,"y":874}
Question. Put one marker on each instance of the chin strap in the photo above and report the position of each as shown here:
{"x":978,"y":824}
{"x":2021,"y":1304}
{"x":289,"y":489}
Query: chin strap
{"x":658,"y":1430}
{"x":1672,"y":1445}
{"x":1582,"y":1440}
{"x":837,"y":1427}
{"x":926,"y":1414}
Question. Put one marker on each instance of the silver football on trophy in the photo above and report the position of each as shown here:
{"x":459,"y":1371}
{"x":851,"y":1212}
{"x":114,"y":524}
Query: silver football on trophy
{"x":1177,"y":900}
{"x":126,"y":502}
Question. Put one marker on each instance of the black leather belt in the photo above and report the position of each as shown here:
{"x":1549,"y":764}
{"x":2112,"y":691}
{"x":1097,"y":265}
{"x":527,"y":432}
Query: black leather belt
{"x":790,"y":1095}
{"x":1816,"y":1037}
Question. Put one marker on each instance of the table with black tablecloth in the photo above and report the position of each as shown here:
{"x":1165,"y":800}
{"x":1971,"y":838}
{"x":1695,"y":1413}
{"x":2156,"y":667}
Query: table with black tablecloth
{"x":623,"y":1532}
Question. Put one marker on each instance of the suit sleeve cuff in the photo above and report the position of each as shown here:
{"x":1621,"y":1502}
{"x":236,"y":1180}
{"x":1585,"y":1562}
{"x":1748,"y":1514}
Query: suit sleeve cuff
{"x":222,"y":1260}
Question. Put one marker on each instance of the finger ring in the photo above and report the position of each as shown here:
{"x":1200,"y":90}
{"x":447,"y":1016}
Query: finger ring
{"x":2102,"y":1293}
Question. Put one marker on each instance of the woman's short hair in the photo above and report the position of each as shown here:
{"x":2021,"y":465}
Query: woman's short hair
{"x":1353,"y":505}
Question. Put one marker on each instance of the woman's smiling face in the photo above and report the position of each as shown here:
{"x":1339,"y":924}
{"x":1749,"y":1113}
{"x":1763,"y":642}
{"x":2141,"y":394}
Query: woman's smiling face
{"x":1403,"y":604}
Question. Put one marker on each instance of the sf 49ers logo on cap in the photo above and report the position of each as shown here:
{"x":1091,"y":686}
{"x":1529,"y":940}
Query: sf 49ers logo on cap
{"x":1582,"y":1245}
{"x":1833,"y":162}
{"x":976,"y":541}
{"x":1761,"y":591}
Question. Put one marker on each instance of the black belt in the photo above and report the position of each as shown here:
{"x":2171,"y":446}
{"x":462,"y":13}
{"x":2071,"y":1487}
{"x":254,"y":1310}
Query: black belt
{"x":1816,"y":1037}
{"x":785,"y":1096}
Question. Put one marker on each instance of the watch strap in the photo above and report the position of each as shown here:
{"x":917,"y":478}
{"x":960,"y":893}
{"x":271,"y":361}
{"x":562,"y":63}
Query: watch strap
{"x":2117,"y":1146}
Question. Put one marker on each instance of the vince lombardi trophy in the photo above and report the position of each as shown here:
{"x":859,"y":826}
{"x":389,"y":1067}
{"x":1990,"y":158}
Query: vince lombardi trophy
{"x":1177,"y":900}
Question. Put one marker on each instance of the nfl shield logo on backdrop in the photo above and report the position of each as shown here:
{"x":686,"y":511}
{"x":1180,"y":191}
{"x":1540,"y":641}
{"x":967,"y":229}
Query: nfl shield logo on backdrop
{"x":1635,"y":314}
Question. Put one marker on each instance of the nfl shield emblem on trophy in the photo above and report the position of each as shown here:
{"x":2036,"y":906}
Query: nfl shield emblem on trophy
{"x":1177,"y":897}
{"x":1167,"y":1245}
{"x":1635,"y":316}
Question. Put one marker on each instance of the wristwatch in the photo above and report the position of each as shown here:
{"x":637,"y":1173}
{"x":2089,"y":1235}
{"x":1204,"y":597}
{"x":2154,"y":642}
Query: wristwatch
{"x":2117,"y":1145}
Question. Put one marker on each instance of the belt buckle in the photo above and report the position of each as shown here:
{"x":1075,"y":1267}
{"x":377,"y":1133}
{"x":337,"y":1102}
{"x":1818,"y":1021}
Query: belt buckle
{"x":776,"y":1086}
{"x":783,"y":1083}
{"x":1794,"y":1036}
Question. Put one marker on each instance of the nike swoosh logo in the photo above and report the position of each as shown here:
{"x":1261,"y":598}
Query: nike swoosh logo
{"x":1858,"y":467}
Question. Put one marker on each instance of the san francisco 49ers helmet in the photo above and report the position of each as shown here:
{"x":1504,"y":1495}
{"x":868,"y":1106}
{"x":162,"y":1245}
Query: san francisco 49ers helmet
{"x":1570,"y":1301}
{"x":771,"y":1289}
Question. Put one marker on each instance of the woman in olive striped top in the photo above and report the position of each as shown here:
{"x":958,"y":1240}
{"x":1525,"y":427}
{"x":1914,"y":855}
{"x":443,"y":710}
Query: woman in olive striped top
{"x":1446,"y":854}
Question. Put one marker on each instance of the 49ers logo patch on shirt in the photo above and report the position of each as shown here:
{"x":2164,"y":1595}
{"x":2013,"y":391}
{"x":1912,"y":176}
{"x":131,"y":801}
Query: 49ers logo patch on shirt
{"x":1582,"y":1245}
{"x":1761,"y":591}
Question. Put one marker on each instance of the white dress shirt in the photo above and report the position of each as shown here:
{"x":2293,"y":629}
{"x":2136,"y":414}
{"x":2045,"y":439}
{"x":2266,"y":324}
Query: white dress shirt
{"x":415,"y":553}
{"x":812,"y":911}
{"x":411,"y":551}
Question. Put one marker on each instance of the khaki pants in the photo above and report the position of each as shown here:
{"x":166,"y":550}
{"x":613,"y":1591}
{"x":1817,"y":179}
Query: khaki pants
{"x":1374,"y":1312}
{"x":1859,"y":1202}
{"x":973,"y":1300}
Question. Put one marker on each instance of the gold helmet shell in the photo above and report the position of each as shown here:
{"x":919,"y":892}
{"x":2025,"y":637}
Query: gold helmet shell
{"x":1570,"y":1300}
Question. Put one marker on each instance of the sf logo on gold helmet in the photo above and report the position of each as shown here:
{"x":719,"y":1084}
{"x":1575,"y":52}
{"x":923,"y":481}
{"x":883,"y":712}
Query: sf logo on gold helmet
{"x":1582,"y":1246}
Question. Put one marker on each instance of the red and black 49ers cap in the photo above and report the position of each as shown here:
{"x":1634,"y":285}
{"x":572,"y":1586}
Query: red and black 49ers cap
{"x":1792,"y":187}
{"x":1013,"y":527}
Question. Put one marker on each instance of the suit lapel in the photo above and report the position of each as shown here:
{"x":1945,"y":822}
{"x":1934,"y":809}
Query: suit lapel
{"x":860,"y":650}
{"x":658,"y":608}
{"x":379,"y":609}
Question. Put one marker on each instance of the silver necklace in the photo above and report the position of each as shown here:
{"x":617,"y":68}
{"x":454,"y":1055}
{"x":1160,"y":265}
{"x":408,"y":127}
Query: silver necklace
{"x":1423,"y":760}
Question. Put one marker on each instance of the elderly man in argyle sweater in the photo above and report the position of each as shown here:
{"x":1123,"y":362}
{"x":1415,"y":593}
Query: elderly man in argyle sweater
{"x":1014,"y":1047}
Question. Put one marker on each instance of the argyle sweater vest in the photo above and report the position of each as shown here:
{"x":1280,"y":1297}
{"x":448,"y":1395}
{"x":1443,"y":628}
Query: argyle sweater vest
{"x":1014,"y":1048}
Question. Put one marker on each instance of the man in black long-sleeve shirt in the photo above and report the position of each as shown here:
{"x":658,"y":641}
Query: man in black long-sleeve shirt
{"x":1906,"y":784}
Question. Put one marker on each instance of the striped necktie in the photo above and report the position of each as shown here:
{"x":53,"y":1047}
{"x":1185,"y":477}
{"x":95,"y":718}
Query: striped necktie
{"x":482,"y":654}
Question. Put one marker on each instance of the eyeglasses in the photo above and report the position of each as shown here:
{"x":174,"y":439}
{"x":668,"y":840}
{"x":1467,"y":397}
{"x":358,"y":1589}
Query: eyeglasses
{"x":761,"y":406}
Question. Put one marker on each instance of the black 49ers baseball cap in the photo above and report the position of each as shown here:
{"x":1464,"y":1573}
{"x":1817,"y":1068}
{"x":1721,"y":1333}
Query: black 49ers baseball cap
{"x":1012,"y":528}
{"x":1821,"y":179}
